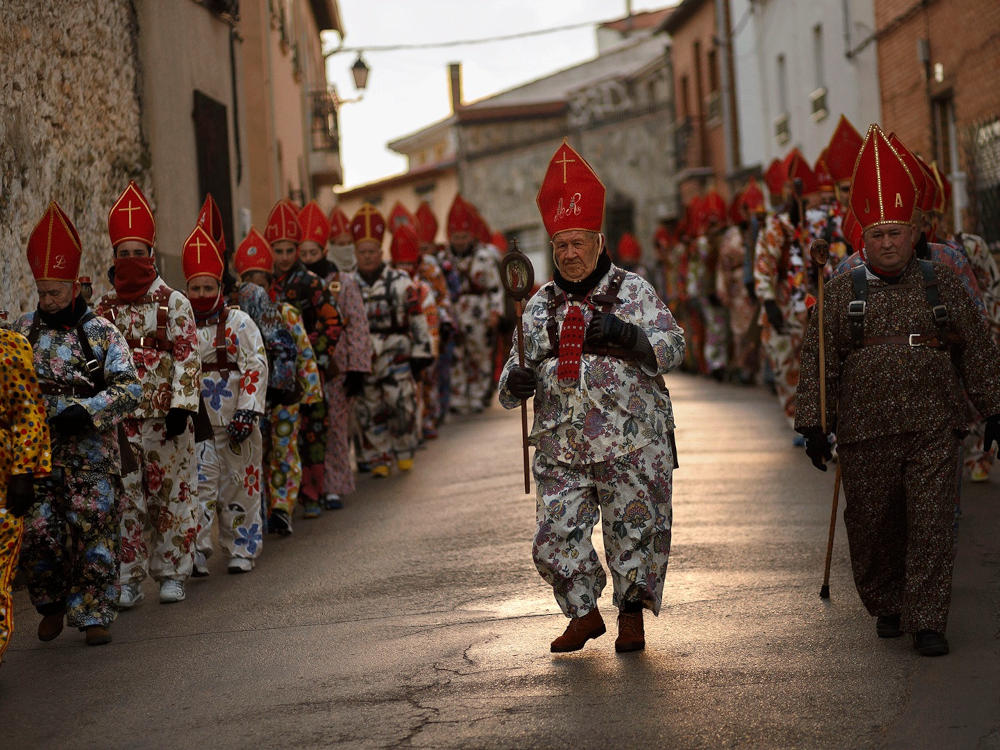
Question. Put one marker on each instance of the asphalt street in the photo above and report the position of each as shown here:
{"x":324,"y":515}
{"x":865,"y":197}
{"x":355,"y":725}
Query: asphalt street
{"x":415,"y":618}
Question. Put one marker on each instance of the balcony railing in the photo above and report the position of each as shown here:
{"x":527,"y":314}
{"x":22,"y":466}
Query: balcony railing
{"x":782,"y":130}
{"x":817,"y":103}
{"x":325,"y":126}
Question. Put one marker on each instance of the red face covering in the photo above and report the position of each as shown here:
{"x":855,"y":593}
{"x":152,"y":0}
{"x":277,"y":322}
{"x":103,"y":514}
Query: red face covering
{"x":204,"y":307}
{"x":134,"y":276}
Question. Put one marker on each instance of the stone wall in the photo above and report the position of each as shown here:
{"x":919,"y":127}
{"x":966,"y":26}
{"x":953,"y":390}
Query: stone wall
{"x":69,"y":128}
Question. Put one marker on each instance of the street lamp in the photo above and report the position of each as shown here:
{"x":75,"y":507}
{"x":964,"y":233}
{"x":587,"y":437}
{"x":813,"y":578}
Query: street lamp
{"x":360,"y":72}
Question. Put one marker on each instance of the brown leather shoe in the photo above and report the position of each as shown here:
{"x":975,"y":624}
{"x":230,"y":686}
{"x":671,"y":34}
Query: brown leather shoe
{"x":50,"y":627}
{"x":579,"y":631}
{"x":98,"y":635}
{"x":630,"y":633}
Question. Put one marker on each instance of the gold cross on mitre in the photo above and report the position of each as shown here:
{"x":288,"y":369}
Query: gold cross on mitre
{"x":564,"y":161}
{"x":197,"y":244}
{"x":128,"y":210}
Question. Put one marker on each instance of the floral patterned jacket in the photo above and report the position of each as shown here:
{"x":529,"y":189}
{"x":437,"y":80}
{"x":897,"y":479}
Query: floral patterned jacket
{"x":306,"y":368}
{"x":24,"y":433}
{"x":619,"y":405}
{"x":170,"y":376}
{"x":480,"y":291}
{"x":306,"y":291}
{"x":60,"y":360}
{"x":243,"y":387}
{"x":987,"y":275}
{"x":396,"y":322}
{"x":278,"y":342}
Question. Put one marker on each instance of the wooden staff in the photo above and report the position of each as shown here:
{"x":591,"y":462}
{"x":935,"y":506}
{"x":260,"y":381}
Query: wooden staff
{"x":518,"y":275}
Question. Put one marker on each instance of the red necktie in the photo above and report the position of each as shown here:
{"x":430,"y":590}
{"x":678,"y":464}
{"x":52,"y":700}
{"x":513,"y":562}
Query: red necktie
{"x":570,"y":347}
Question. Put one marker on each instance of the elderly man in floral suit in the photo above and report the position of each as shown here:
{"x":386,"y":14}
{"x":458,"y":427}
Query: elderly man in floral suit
{"x":73,"y":534}
{"x":159,"y":327}
{"x":597,"y":340}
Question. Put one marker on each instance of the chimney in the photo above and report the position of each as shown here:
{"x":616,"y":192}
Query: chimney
{"x":455,"y":85}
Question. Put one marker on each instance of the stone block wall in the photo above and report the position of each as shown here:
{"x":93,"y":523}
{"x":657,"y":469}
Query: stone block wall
{"x":70,"y":128}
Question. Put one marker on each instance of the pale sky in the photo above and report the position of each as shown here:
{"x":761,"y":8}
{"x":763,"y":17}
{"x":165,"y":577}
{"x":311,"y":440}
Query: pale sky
{"x":408,"y":89}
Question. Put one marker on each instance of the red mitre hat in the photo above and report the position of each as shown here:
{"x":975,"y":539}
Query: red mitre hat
{"x":253,"y":254}
{"x":775,"y":177}
{"x":713,"y":209}
{"x":405,"y":246}
{"x":842,"y":151}
{"x":628,"y":249}
{"x":283,"y":223}
{"x":368,"y":224}
{"x":925,"y":197}
{"x":694,"y":217}
{"x":461,"y":216}
{"x":427,"y":224}
{"x":882,"y":188}
{"x":797,"y":168}
{"x":340,"y":223}
{"x":943,"y":189}
{"x":851,"y":231}
{"x":314,"y":224}
{"x":400,"y":216}
{"x":201,"y":256}
{"x":571,"y":196}
{"x":131,"y":218}
{"x":54,"y":247}
{"x":210,"y":219}
{"x":824,"y":180}
{"x":930,"y":185}
{"x":753,"y":198}
{"x":499,"y":241}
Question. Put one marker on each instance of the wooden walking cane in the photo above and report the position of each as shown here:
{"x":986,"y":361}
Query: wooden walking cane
{"x":518,"y":276}
{"x":819,"y":251}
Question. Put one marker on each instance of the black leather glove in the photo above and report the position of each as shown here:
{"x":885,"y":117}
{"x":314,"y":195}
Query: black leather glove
{"x":818,"y":448}
{"x":774,"y":316}
{"x":610,"y":330}
{"x":751,"y":290}
{"x":419,"y":364}
{"x":521,"y":382}
{"x":177,"y":420}
{"x":714,"y":301}
{"x":992,"y":434}
{"x":73,"y":420}
{"x":354,"y":383}
{"x":446,"y":331}
{"x":20,"y":494}
{"x":241,"y":426}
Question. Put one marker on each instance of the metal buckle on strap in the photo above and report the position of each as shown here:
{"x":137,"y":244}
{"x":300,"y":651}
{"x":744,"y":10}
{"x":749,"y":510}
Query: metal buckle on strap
{"x":913,"y":342}
{"x":856,"y":308}
{"x":92,"y":366}
{"x":940,"y":314}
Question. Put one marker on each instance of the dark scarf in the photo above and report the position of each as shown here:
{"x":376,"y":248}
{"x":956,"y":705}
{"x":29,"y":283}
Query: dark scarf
{"x":922,"y":249}
{"x":371,"y":277}
{"x":66,"y":318}
{"x":584,"y":286}
{"x":322,"y":268}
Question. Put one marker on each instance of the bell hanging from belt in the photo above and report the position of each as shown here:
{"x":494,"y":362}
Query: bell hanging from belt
{"x":570,"y":348}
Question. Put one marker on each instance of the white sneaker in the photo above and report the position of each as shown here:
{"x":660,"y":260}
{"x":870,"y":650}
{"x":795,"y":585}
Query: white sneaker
{"x":131,"y":594}
{"x":240,"y":565}
{"x":171,"y":591}
{"x":200,"y":565}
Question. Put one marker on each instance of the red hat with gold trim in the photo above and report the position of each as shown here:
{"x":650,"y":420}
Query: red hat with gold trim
{"x":930,"y":185}
{"x":283,"y":223}
{"x":405,"y":246}
{"x":253,"y":254}
{"x":713,"y":209}
{"x":571,"y":195}
{"x":752,"y":198}
{"x":943,"y":189}
{"x":842,"y":151}
{"x":54,"y":248}
{"x":482,"y":231}
{"x":797,"y":168}
{"x":314,"y":224}
{"x":824,"y":180}
{"x":131,"y":218}
{"x":210,"y":218}
{"x":399,"y":216}
{"x":427,"y":224}
{"x":851,"y":231}
{"x":628,"y":249}
{"x":925,"y":197}
{"x":694,"y":217}
{"x":461,"y":216}
{"x":368,"y":224}
{"x":775,"y":177}
{"x":201,"y":256}
{"x":499,"y":241}
{"x":882,"y":188}
{"x":340,"y":223}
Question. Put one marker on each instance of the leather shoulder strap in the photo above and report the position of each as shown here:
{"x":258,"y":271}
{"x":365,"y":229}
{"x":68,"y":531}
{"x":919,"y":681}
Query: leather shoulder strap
{"x":857,"y":307}
{"x":95,"y":369}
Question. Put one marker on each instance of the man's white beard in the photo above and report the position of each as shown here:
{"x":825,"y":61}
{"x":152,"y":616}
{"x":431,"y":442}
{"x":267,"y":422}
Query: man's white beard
{"x":343,"y":257}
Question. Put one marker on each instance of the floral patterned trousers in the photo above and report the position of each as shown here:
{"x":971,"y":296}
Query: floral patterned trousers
{"x":160,"y":504}
{"x":229,"y":477}
{"x":631,"y":496}
{"x":387,"y":413}
{"x":783,"y":350}
{"x":282,"y":467}
{"x":71,"y":547}
{"x":472,"y":367}
{"x":339,"y":474}
{"x":10,"y":543}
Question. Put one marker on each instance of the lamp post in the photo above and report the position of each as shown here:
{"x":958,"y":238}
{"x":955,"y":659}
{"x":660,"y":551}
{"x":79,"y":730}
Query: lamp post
{"x":360,"y":71}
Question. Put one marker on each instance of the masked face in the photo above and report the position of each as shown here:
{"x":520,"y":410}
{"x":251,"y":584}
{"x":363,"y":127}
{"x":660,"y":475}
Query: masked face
{"x":205,"y":294}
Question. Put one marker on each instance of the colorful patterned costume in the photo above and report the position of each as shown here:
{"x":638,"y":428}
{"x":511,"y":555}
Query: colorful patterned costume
{"x":161,"y":504}
{"x":732,"y":293}
{"x":72,"y":539}
{"x":603,"y":450}
{"x":278,"y":342}
{"x":233,"y":379}
{"x":24,"y":449}
{"x":387,"y":409}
